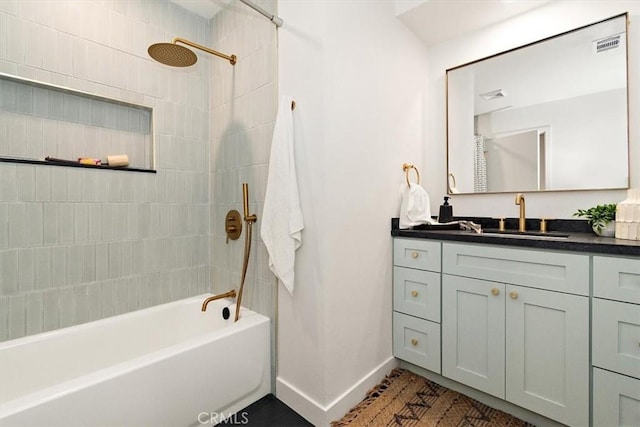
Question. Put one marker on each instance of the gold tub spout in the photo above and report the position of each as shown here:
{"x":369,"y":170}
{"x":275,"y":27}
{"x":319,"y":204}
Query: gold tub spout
{"x":230,"y":294}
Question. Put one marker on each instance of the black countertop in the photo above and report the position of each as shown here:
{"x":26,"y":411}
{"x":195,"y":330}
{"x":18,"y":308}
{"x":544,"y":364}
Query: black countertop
{"x":580,"y":239}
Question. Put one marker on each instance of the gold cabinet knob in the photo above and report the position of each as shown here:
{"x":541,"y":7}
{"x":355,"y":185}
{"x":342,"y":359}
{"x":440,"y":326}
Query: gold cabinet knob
{"x":513,"y":295}
{"x":414,"y":342}
{"x":414,"y":254}
{"x":495,"y":291}
{"x":414,"y":293}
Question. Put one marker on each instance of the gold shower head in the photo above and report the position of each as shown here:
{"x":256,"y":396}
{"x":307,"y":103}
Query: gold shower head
{"x":172,"y":54}
{"x":180,"y":56}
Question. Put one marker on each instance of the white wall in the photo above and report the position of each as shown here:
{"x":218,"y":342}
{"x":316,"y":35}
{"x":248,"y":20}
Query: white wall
{"x":553,"y":18}
{"x":359,"y":80}
{"x":358,"y":77}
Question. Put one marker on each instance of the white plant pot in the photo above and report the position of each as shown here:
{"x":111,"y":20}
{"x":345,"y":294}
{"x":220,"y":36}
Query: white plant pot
{"x":608,"y":230}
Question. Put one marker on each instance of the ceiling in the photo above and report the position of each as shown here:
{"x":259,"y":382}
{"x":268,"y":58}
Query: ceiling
{"x":435,"y":21}
{"x":204,"y":8}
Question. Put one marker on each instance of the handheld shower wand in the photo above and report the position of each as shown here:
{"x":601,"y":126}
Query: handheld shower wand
{"x":249,"y":219}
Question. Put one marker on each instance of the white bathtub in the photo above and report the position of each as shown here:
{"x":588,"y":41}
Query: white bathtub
{"x":169,"y":365}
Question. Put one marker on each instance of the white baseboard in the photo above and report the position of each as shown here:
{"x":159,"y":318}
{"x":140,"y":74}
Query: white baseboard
{"x":322,"y":415}
{"x":308,"y":408}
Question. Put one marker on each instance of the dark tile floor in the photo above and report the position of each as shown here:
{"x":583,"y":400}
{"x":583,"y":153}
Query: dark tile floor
{"x":267,"y":412}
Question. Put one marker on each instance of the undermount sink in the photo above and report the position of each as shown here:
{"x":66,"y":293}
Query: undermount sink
{"x":525,"y":234}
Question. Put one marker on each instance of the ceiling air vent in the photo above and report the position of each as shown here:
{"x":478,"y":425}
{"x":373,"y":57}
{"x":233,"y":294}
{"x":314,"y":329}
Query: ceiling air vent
{"x":607,"y":43}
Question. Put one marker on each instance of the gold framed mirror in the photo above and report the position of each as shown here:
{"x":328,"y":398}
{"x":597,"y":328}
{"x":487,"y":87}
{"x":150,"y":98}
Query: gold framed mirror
{"x":548,"y":116}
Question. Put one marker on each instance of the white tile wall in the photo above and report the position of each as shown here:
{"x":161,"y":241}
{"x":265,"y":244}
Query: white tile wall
{"x":79,"y":245}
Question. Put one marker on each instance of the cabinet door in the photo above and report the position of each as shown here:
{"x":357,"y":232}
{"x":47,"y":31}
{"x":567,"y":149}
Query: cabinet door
{"x":616,"y":400}
{"x":547,"y":362}
{"x":473,"y":333}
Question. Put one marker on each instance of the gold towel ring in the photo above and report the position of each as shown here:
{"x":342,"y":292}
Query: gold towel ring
{"x":408,"y":166}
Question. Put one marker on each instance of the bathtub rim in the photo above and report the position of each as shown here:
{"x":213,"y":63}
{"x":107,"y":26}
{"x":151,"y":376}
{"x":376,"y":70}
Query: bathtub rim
{"x":112,"y":319}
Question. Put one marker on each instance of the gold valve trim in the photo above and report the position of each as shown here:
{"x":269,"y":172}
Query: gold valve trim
{"x":233,"y":225}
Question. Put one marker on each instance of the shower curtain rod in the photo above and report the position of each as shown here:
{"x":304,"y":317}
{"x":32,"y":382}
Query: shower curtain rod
{"x":275,"y":19}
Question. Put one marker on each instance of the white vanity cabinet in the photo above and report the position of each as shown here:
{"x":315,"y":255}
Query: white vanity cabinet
{"x":546,"y":330}
{"x":416,"y":302}
{"x":616,"y":341}
{"x":515,"y":324}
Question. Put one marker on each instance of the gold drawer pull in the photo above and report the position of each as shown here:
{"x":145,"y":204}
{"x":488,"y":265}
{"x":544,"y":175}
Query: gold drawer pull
{"x":495,"y":291}
{"x":414,"y":342}
{"x":513,"y":295}
{"x":414,"y":255}
{"x":414,"y":293}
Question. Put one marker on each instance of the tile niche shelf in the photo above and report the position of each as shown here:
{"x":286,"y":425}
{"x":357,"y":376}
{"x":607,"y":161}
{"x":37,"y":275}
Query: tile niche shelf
{"x":40,"y":120}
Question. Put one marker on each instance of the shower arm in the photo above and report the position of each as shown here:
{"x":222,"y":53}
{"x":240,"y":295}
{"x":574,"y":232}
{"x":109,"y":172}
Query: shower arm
{"x":271,"y":17}
{"x":232,"y":59}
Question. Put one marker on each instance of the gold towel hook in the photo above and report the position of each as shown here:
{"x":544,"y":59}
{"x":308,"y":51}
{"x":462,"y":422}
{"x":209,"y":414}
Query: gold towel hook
{"x":408,"y":166}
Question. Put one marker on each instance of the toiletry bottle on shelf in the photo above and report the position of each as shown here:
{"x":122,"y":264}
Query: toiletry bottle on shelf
{"x":446,"y":211}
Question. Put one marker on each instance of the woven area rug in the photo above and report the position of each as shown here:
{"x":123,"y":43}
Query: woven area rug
{"x":406,"y":399}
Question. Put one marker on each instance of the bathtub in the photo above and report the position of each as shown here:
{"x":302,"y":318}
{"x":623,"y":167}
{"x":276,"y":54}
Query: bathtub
{"x":169,"y":365}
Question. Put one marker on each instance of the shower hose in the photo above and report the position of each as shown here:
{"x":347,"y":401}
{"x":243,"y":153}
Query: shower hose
{"x":245,"y":264}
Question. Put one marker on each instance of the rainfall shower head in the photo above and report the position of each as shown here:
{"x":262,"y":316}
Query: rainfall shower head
{"x":180,"y":56}
{"x":172,"y":54}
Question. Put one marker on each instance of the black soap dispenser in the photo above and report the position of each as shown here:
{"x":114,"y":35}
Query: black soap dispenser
{"x":446,"y":211}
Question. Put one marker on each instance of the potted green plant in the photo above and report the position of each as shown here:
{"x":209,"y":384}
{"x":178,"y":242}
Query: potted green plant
{"x":601,"y":218}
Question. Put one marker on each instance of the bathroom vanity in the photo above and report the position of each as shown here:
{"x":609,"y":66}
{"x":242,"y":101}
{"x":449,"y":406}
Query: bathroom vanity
{"x":536,"y":322}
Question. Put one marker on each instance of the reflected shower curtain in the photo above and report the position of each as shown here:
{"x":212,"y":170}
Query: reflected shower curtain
{"x":479,"y":164}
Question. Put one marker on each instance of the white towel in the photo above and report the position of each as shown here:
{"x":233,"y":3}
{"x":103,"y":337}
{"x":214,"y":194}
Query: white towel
{"x":282,"y":223}
{"x":415,"y":207}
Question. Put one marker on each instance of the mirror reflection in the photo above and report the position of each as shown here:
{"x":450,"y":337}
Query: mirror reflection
{"x":549,"y":116}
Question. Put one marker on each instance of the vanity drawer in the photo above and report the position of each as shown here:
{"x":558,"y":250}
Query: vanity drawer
{"x":417,"y":341}
{"x":616,"y":399}
{"x":554,"y":271}
{"x":616,"y":336}
{"x":417,"y":293}
{"x":616,"y":278}
{"x":414,"y":253}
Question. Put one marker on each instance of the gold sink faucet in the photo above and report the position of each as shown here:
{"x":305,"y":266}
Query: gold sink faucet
{"x":523,"y":219}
